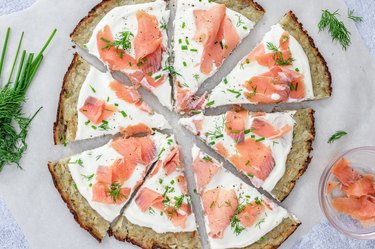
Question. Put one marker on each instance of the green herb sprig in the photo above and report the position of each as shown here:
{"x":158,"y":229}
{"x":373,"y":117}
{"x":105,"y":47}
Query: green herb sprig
{"x":354,"y":18}
{"x":115,"y":192}
{"x":279,"y":55}
{"x":121,"y":42}
{"x":335,"y":27}
{"x":14,"y":125}
{"x":235,"y":221}
{"x":337,"y":135}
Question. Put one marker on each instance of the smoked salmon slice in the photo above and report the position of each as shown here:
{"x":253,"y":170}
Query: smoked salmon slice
{"x":359,"y":208}
{"x":173,"y":162}
{"x":136,"y":149}
{"x":271,"y":59}
{"x":101,"y":193}
{"x":250,"y":213}
{"x":96,"y":110}
{"x":137,"y":129}
{"x":265,"y":89}
{"x":104,"y":175}
{"x":344,"y":173}
{"x":257,"y":51}
{"x":147,"y":198}
{"x":204,"y":170}
{"x":116,"y":58}
{"x":254,"y":158}
{"x":220,"y":148}
{"x":359,"y":201}
{"x":186,"y":101}
{"x":148,"y":49}
{"x":278,"y":84}
{"x":126,"y":93}
{"x":213,"y":27}
{"x":275,"y":86}
{"x":219,"y":205}
{"x":183,"y":184}
{"x":235,"y":124}
{"x":262,"y":128}
{"x":149,"y":38}
{"x":361,"y":187}
{"x":122,"y":170}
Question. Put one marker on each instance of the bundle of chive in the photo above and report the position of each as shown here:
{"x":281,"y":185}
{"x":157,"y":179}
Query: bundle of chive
{"x":13,"y":123}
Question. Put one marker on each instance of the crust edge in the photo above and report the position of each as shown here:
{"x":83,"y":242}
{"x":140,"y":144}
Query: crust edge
{"x":326,"y":86}
{"x":290,"y":184}
{"x":70,"y":206}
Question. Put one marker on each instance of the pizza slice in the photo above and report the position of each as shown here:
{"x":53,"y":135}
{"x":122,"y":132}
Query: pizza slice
{"x":131,"y":37}
{"x":272,"y":149}
{"x":205,"y":34}
{"x":93,"y":104}
{"x":235,"y":214}
{"x":160,"y":215}
{"x":284,"y":67}
{"x":96,"y":184}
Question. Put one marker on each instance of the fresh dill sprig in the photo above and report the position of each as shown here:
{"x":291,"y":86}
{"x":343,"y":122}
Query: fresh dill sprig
{"x":279,"y":55}
{"x":235,"y":221}
{"x":335,"y":27}
{"x":217,"y":132}
{"x":355,"y":19}
{"x":337,"y":135}
{"x":115,"y":192}
{"x":14,"y":125}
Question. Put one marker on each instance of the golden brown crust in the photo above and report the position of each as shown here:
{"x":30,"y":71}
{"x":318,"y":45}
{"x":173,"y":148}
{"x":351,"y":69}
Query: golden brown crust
{"x":299,"y":156}
{"x":276,"y":236}
{"x":84,"y":29}
{"x":65,"y":126}
{"x":249,"y":8}
{"x":321,"y":77}
{"x":85,"y":216}
{"x":147,"y":238}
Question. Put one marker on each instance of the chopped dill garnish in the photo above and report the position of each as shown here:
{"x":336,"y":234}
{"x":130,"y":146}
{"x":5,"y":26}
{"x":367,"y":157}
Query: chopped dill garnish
{"x":259,"y":222}
{"x":88,"y":177}
{"x":93,"y":89}
{"x":217,"y":132}
{"x":123,"y":113}
{"x":212,"y":204}
{"x":279,"y":55}
{"x":115,"y":191}
{"x":239,"y":21}
{"x":211,"y":103}
{"x":78,"y":161}
{"x":238,"y":93}
{"x":104,"y":126}
{"x":161,"y":152}
{"x":235,"y":221}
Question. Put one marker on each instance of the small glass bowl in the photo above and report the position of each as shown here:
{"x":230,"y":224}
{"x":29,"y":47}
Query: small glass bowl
{"x":363,"y":160}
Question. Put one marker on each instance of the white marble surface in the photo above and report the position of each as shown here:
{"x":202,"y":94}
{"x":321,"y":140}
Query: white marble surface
{"x":30,"y":194}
